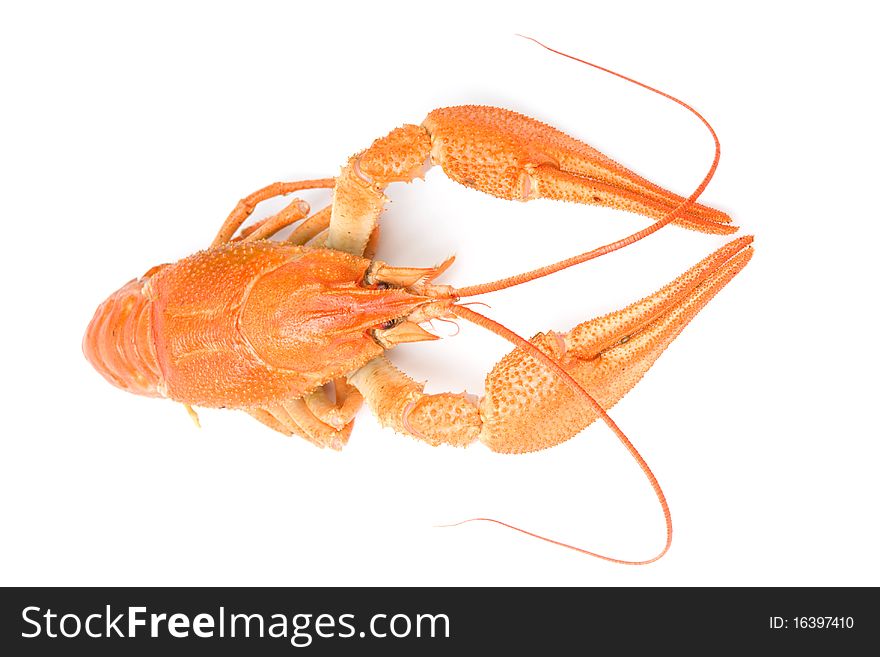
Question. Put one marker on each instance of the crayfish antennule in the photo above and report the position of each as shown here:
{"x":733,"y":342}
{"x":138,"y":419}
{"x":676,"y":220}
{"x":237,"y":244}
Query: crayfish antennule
{"x":450,"y":321}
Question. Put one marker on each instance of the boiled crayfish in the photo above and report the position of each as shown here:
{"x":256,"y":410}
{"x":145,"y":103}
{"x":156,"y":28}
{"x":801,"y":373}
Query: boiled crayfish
{"x":293,"y":332}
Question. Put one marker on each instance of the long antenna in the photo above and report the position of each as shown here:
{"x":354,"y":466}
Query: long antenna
{"x":510,"y":281}
{"x":507,"y":334}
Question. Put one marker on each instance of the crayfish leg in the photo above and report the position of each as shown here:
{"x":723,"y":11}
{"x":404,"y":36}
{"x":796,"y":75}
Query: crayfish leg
{"x":294,"y":418}
{"x":401,"y":403}
{"x":335,"y":413}
{"x":245,"y":207}
{"x":310,"y":227}
{"x":359,"y":195}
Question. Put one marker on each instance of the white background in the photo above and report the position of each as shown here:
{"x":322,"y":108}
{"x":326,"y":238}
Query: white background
{"x":128,"y":134}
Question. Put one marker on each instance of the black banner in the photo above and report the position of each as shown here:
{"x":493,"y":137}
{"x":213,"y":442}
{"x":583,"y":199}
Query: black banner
{"x":319,"y":621}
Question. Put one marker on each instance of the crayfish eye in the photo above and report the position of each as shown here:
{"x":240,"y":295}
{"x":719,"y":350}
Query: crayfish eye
{"x":388,"y":324}
{"x":382,"y":286}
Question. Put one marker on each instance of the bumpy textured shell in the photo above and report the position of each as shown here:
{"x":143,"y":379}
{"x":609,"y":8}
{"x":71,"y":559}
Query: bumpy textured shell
{"x":241,"y":326}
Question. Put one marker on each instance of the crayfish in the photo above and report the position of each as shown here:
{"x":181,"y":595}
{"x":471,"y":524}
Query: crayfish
{"x":293,"y":331}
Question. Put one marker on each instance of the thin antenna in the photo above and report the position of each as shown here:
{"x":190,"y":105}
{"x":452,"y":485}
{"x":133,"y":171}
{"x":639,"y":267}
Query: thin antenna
{"x":507,"y":334}
{"x":518,"y":279}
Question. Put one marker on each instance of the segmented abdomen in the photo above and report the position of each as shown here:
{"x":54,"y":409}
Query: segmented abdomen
{"x":119,"y":341}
